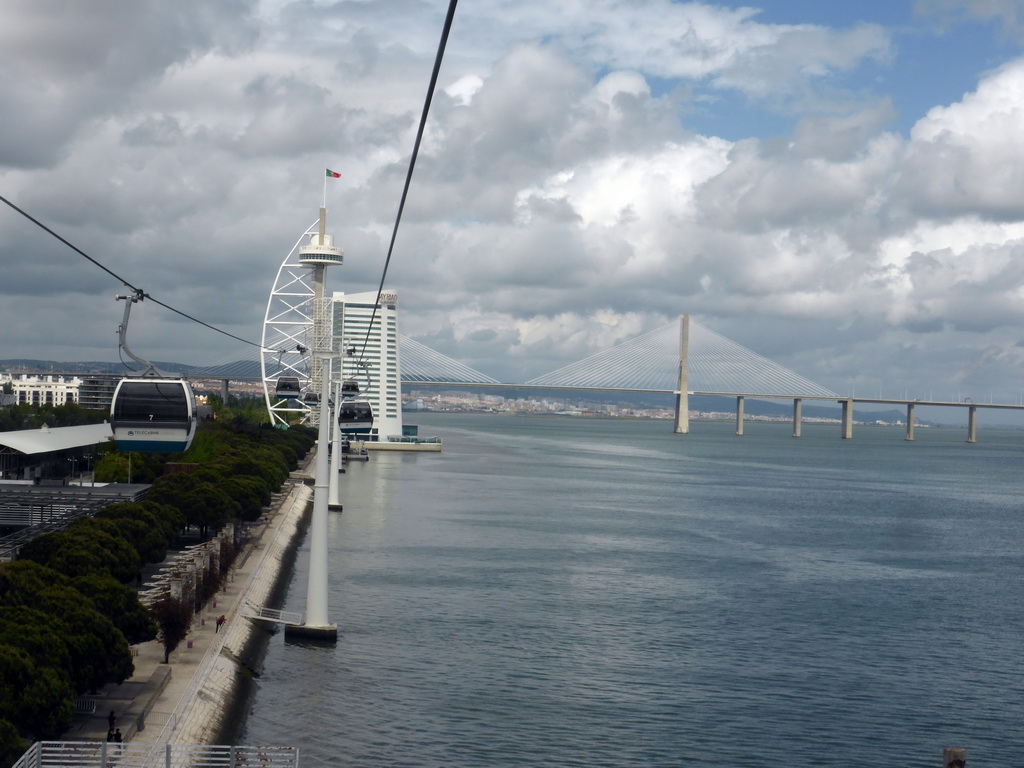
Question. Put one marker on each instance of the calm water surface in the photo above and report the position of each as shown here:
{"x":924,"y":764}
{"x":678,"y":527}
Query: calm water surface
{"x":567,"y":592}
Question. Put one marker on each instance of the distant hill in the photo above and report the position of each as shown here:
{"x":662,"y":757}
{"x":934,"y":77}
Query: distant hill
{"x":247,"y":369}
{"x":24,"y":365}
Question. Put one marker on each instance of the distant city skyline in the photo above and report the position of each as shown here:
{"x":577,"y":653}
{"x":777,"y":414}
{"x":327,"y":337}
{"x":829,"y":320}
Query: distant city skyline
{"x":834,"y":186}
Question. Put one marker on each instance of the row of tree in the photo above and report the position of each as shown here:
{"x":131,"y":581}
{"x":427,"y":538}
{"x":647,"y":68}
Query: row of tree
{"x":67,"y":616}
{"x":28,"y":416}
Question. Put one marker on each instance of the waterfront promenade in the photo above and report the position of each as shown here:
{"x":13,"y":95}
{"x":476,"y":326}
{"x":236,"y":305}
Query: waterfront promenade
{"x":192,"y":699}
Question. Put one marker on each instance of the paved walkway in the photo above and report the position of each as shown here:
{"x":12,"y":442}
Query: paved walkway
{"x":155,"y":694}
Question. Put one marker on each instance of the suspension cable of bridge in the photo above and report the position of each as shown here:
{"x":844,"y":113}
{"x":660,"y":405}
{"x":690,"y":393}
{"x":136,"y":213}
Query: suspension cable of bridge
{"x":650,"y":362}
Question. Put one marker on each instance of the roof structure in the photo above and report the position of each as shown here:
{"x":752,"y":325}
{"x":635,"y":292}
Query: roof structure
{"x":50,"y":439}
{"x":35,"y":510}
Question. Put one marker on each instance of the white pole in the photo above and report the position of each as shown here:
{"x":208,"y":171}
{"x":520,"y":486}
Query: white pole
{"x":316,"y":594}
{"x":334,"y":499}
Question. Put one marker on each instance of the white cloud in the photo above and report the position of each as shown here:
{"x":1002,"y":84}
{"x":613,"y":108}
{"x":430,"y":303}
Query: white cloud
{"x":560,"y":203}
{"x":967,"y":158}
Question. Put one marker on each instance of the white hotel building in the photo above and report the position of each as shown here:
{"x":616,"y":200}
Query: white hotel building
{"x":378,"y":376}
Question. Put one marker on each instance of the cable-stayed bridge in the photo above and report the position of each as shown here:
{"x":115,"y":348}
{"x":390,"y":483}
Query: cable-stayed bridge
{"x":681,"y":358}
{"x":647,"y":363}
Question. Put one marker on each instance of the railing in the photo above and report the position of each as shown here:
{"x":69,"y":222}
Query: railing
{"x":411,"y":439}
{"x":88,"y":754}
{"x":279,"y":617}
{"x":84,"y":706}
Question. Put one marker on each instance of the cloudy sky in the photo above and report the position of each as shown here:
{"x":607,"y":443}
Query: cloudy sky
{"x":838,"y":186}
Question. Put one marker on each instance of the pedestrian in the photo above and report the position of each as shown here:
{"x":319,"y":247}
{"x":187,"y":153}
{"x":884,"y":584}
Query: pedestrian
{"x":111,"y":720}
{"x":110,"y":735}
{"x":220,"y":620}
{"x":117,"y":736}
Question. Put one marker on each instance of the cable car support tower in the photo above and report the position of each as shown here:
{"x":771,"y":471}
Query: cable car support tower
{"x":319,"y":254}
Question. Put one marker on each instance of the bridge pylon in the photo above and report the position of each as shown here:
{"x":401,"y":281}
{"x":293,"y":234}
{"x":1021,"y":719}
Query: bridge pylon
{"x":682,"y":425}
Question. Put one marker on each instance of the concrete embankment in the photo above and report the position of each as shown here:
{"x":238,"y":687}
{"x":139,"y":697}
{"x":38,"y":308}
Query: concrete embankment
{"x":196,"y":698}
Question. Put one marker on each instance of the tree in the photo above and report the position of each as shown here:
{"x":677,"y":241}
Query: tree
{"x":41,"y":674}
{"x":246,"y":491}
{"x":144,"y":530}
{"x":199,"y":496}
{"x":89,"y":545}
{"x":120,"y":604}
{"x":12,"y":746}
{"x":113,"y":466}
{"x":99,"y":652}
{"x":28,"y":416}
{"x":23,"y":580}
{"x":173,"y":619}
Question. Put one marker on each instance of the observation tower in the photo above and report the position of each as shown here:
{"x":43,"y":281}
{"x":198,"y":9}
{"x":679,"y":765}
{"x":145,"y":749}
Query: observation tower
{"x":319,"y":253}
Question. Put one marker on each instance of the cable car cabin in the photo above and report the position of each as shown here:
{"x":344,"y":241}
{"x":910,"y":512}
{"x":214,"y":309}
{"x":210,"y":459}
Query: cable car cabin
{"x":349,"y":388}
{"x":355,"y":417}
{"x":288,"y":388}
{"x":153,"y":415}
{"x":310,"y":399}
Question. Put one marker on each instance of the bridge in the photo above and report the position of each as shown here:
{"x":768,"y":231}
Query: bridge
{"x":681,"y":358}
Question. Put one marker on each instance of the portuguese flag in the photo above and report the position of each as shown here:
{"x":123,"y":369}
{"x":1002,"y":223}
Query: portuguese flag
{"x":332,"y":175}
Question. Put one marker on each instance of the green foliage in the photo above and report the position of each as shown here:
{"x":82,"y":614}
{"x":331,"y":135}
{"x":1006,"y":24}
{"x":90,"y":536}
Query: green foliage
{"x":120,"y":604}
{"x":25,"y":416}
{"x":12,"y":746}
{"x":88,"y":546}
{"x":113,"y":466}
{"x":249,"y":492}
{"x":42,"y":703}
{"x":240,"y":412}
{"x":66,"y":617}
{"x":99,"y":652}
{"x":21,"y":582}
{"x":95,"y":651}
{"x":149,"y":527}
{"x":199,"y":496}
{"x":173,"y":618}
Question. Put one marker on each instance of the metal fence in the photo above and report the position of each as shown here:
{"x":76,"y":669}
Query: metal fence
{"x":89,"y":754}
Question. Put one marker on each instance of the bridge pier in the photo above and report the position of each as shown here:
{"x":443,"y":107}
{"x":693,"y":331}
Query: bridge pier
{"x":847,"y":404}
{"x":683,"y":385}
{"x":224,"y":391}
{"x":910,"y":422}
{"x":798,"y":408}
{"x":972,"y":424}
{"x":740,"y":400}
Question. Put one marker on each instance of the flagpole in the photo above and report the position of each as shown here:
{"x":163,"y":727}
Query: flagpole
{"x":325,"y":192}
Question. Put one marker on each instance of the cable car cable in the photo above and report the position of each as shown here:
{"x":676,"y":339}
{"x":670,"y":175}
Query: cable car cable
{"x":412,"y":162}
{"x":138,"y":291}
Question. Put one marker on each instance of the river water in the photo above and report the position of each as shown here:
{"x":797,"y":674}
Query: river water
{"x":558,"y":591}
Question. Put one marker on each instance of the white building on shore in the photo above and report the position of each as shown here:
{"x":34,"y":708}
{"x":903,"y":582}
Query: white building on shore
{"x":42,"y":389}
{"x":375,"y":362}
